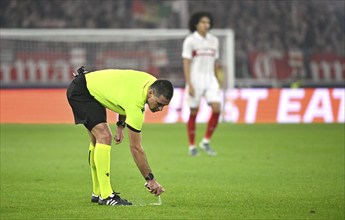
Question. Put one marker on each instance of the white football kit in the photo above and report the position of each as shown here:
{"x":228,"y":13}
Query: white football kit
{"x":203,"y":52}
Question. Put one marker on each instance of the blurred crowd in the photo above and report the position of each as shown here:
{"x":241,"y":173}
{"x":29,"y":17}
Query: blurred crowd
{"x":308,"y":26}
{"x":87,"y":14}
{"x":291,"y":25}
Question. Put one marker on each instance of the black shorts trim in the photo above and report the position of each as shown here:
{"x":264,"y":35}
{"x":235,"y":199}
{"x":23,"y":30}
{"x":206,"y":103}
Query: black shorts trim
{"x":133,"y":129}
{"x":86,"y":109}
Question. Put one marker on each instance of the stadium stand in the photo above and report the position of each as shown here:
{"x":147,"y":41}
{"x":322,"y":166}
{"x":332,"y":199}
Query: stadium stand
{"x":300,"y":28}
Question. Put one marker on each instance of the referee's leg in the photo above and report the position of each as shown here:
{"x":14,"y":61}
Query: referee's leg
{"x":96,"y":192}
{"x":102,"y":133}
{"x":103,"y":137}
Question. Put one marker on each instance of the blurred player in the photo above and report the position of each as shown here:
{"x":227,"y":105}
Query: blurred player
{"x":125,"y":92}
{"x":200,"y":51}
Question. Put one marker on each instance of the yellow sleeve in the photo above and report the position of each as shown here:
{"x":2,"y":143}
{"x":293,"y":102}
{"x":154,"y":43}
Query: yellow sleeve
{"x":134,"y":118}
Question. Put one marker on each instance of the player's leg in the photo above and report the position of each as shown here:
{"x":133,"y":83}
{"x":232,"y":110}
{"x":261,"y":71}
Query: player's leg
{"x":213,"y":121}
{"x":95,"y":184}
{"x":191,"y":131}
{"x":212,"y":96}
{"x":193,"y":102}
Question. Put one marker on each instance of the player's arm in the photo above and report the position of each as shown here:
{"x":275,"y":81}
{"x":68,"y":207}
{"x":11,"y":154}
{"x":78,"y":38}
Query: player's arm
{"x":186,"y":70}
{"x":216,"y":70}
{"x":140,"y":159}
{"x":187,"y":50}
{"x":120,"y":126}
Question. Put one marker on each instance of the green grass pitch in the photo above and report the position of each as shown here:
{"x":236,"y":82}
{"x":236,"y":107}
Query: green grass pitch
{"x":262,"y":171}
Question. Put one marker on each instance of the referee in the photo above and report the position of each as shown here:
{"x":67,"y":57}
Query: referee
{"x":125,"y":92}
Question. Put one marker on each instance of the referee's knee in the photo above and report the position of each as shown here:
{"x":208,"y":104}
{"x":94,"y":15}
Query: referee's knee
{"x":102,"y":133}
{"x":104,"y":138}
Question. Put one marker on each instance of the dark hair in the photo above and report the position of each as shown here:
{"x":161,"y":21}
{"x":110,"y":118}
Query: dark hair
{"x":195,"y":19}
{"x":163,"y":87}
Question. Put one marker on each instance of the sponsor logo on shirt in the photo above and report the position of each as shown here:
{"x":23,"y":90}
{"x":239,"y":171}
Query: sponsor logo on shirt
{"x":204,"y":52}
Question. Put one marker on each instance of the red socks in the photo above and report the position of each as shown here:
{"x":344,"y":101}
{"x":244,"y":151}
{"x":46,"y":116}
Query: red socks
{"x":212,"y":124}
{"x":191,"y":129}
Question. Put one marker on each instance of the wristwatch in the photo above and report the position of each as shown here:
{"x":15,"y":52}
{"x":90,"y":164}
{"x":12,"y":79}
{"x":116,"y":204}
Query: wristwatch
{"x":149,"y":177}
{"x":121,"y":123}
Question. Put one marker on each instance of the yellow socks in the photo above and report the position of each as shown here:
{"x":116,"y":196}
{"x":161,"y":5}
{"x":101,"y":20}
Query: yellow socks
{"x":102,"y":162}
{"x":95,"y":184}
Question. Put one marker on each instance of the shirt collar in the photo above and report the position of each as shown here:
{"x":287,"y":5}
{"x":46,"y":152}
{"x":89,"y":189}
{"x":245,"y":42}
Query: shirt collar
{"x":196,"y":34}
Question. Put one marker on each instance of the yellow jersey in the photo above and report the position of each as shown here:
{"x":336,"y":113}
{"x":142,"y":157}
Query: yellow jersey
{"x":122,"y":91}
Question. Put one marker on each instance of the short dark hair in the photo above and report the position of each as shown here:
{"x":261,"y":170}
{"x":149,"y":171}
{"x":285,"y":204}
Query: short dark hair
{"x":195,"y":19}
{"x":163,"y":87}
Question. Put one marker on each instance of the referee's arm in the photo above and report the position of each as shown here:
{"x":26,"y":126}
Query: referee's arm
{"x":138,"y":153}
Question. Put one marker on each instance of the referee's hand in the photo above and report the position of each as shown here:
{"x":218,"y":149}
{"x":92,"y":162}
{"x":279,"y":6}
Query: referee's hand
{"x":154,"y":187}
{"x":119,"y":135}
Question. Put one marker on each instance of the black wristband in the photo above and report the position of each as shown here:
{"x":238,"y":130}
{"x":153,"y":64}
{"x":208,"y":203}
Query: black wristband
{"x":149,"y":177}
{"x":121,"y":123}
